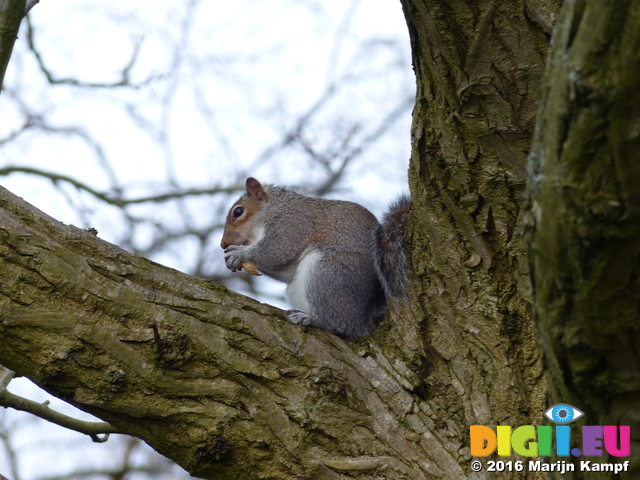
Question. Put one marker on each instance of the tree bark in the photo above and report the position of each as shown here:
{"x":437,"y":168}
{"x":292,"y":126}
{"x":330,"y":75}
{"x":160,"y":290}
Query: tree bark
{"x":220,"y":383}
{"x":583,"y":225}
{"x":11,"y":13}
{"x":478,"y":67}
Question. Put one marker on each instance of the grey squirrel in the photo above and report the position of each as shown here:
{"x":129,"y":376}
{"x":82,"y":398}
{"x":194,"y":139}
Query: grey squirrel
{"x":337,"y":260}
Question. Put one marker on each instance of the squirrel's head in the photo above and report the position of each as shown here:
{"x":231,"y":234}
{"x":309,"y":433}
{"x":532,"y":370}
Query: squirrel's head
{"x":241,"y":227}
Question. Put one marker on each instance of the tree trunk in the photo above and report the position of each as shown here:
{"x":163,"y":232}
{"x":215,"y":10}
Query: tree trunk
{"x":478,"y":67}
{"x":583,"y":225}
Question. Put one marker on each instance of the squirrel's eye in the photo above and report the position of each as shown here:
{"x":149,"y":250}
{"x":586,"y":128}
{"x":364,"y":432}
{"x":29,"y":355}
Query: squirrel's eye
{"x":238,"y":211}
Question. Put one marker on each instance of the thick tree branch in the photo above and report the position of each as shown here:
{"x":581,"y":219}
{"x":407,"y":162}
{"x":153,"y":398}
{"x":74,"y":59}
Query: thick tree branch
{"x":217,"y":382}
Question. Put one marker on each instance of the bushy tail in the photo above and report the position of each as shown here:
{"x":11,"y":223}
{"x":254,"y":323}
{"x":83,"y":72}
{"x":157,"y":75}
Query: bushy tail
{"x":391,"y":264}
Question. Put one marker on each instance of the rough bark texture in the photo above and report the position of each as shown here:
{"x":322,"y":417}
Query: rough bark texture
{"x":584,"y":221}
{"x":478,"y":66}
{"x":221,"y":384}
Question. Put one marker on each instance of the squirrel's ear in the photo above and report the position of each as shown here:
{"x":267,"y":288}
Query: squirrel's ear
{"x":254,"y":189}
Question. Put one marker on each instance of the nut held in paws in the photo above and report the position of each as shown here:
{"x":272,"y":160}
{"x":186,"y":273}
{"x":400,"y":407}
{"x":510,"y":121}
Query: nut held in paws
{"x":250,"y":268}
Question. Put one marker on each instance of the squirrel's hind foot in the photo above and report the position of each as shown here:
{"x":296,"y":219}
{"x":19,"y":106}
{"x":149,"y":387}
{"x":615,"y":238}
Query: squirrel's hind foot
{"x":298,"y":317}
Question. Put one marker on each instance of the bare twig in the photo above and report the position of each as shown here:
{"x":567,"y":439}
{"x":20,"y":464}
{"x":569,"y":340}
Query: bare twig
{"x":153,"y":471}
{"x":52,"y":79}
{"x":6,"y":433}
{"x":42,"y":410}
{"x":6,"y":376}
{"x":116,"y":200}
{"x":16,"y":133}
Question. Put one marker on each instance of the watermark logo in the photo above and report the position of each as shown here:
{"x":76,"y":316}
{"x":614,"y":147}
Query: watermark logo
{"x":547,"y":440}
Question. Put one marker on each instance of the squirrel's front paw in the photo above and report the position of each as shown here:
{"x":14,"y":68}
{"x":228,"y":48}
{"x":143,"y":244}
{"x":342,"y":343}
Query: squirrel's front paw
{"x":234,"y":255}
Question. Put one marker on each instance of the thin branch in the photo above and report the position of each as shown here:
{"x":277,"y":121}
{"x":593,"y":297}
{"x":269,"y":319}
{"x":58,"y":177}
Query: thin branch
{"x":10,"y":451}
{"x":53,"y":80}
{"x":117,"y":201}
{"x":16,"y":133}
{"x":6,"y":376}
{"x":295,"y":131}
{"x":367,"y":142}
{"x":337,"y":46}
{"x":42,"y":410}
{"x":109,"y":473}
{"x":38,"y":121}
{"x":89,"y":140}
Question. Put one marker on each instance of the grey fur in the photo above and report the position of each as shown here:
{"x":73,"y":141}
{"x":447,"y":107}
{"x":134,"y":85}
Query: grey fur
{"x":330,"y":254}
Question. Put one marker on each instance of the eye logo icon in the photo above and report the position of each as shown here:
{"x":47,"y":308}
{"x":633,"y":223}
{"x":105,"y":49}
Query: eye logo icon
{"x":562,"y":413}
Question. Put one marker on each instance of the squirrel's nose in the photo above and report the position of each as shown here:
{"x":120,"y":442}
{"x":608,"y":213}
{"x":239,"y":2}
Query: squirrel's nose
{"x":224,"y":244}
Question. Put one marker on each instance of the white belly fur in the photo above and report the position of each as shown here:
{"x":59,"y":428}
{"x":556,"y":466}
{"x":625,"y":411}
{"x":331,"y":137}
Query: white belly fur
{"x":297,"y":289}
